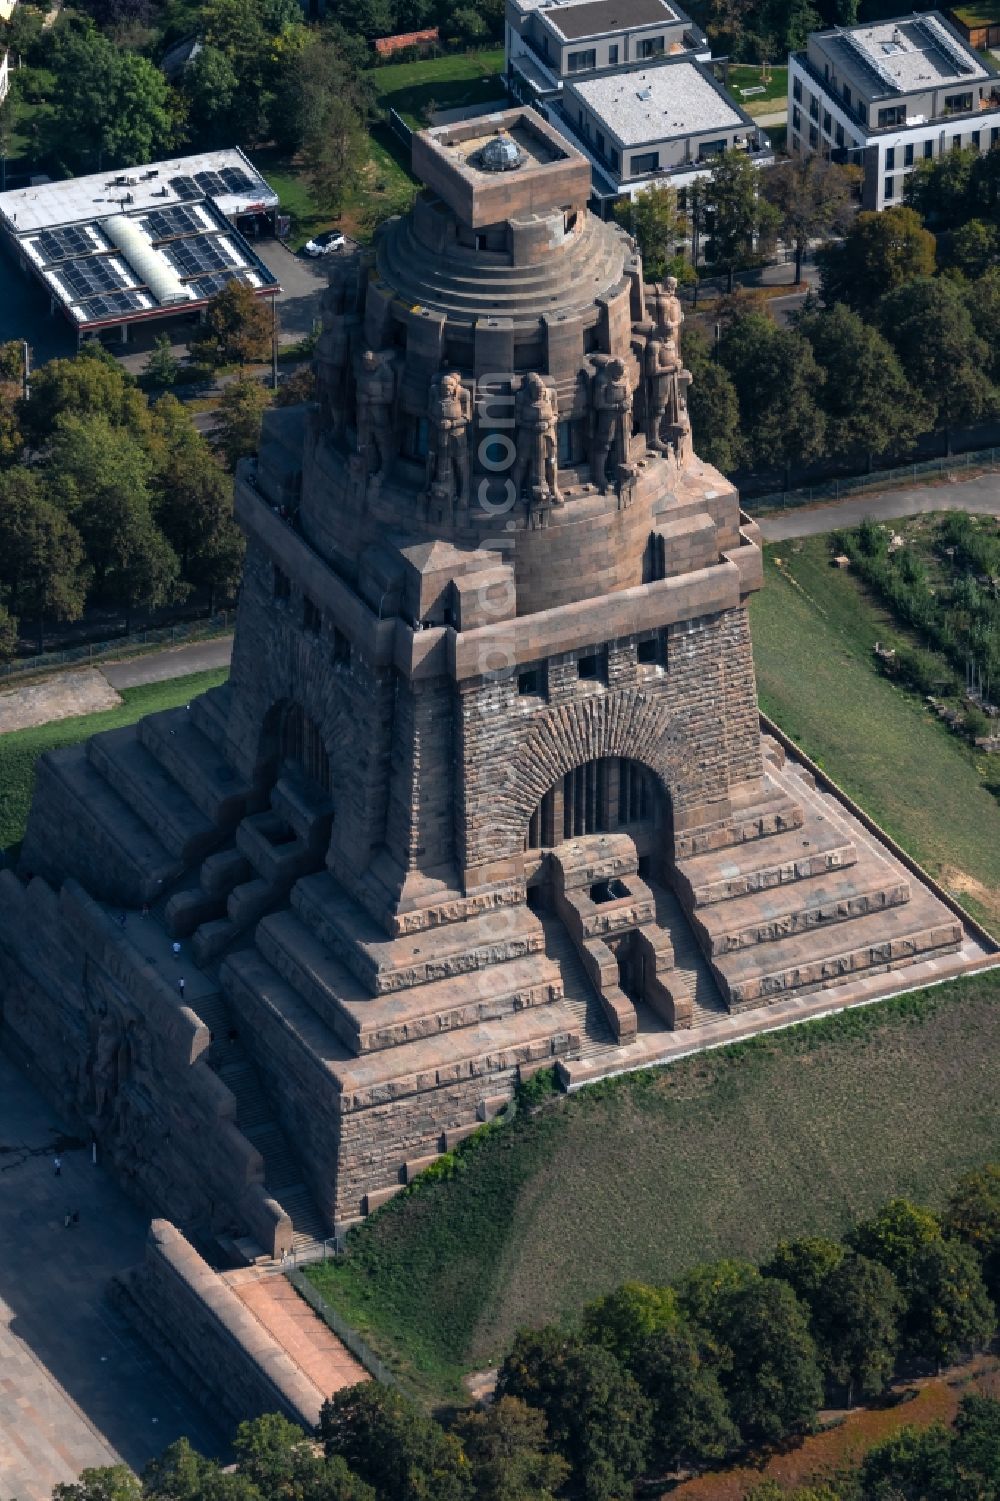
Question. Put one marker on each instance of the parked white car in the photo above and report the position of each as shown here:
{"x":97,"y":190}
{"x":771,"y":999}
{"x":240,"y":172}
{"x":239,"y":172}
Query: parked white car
{"x":325,"y":244}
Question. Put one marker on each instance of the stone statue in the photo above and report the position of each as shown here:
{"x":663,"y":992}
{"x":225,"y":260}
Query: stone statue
{"x":668,"y":312}
{"x":375,"y":392}
{"x":660,"y":370}
{"x":333,"y":349}
{"x":536,"y":466}
{"x":448,"y":447}
{"x":613,"y":422}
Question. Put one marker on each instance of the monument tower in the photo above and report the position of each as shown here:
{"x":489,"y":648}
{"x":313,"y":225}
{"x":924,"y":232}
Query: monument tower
{"x":486,"y":790}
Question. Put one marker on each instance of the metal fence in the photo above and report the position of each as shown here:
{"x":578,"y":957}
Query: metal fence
{"x":876,"y":480}
{"x":96,"y":651}
{"x":344,"y":1331}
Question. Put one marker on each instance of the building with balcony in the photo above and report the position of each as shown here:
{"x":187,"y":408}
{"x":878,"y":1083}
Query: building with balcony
{"x":889,"y":95}
{"x":651,"y":124}
{"x":551,"y":41}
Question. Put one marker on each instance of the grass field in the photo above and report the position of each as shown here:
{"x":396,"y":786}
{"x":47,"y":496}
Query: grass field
{"x":643,"y":1176}
{"x":441,"y":83}
{"x":814,"y":628}
{"x":20,"y":750}
{"x":981,"y":13}
{"x":749,"y":76}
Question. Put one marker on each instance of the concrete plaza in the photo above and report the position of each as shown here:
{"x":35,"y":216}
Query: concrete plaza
{"x":77,"y":1388}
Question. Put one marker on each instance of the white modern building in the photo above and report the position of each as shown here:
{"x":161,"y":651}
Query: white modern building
{"x":660,"y":124}
{"x":889,"y":95}
{"x":551,"y":41}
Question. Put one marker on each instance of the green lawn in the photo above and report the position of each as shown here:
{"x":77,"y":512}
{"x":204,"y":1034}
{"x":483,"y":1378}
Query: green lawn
{"x":20,"y":750}
{"x":748,"y":76}
{"x":981,"y":13}
{"x":441,"y":83}
{"x":814,"y":628}
{"x":641,"y":1177}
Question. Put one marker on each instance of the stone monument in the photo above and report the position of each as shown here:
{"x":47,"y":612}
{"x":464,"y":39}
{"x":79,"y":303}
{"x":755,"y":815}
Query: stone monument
{"x":486,"y":790}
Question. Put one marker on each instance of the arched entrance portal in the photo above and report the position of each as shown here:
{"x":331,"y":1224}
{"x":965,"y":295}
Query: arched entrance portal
{"x":612,"y":794}
{"x":290,"y":737}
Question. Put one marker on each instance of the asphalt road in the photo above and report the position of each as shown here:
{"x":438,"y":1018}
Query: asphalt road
{"x":980,"y":495}
{"x":176,"y":662}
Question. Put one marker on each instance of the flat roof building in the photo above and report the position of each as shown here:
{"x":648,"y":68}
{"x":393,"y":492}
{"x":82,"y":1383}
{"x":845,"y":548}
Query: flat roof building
{"x":889,"y":95}
{"x":118,"y":248}
{"x":550,"y":41}
{"x":664,"y":122}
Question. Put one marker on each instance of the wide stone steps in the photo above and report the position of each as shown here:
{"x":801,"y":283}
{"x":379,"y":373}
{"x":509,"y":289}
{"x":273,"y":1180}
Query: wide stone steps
{"x":366,"y":1022}
{"x":134,"y":844}
{"x":580,"y":1000}
{"x":187,"y":754}
{"x":281,"y":1165}
{"x":210,"y":713}
{"x":253,"y":1108}
{"x":389,"y":964}
{"x":152,"y":793}
{"x":825,"y":956}
{"x":762,"y":864}
{"x":837,"y":896}
{"x":308,"y":1225}
{"x":691,"y":977}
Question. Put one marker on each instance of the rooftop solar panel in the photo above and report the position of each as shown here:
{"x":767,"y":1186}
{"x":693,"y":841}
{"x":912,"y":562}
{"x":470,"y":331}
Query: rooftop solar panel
{"x":185,"y":188}
{"x":86,"y":278}
{"x":165,"y":223}
{"x":63,"y":244}
{"x":207,"y":286}
{"x":211,"y":184}
{"x":111,"y":305}
{"x":237,"y":181}
{"x":196,"y":255}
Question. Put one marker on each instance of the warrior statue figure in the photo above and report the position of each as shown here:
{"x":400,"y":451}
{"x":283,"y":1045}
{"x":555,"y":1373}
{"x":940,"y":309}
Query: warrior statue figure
{"x":668,"y":312}
{"x":375,"y":391}
{"x":448,"y":445}
{"x":613,"y":414}
{"x":536,"y":464}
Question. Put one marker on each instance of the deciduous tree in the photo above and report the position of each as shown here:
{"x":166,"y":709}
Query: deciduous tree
{"x":713,"y":405}
{"x":241,"y":412}
{"x":973,"y":1216}
{"x":507,"y":1448}
{"x":236,"y":328}
{"x":878,"y":254}
{"x":814,"y":198}
{"x":393,"y":1445}
{"x":857,"y":1326}
{"x":42,"y":570}
{"x":691,"y":1419}
{"x":657,"y":223}
{"x":949,"y":1312}
{"x":740,"y":212}
{"x":870,"y":405}
{"x":930,"y":327}
{"x":621,"y":1320}
{"x":900,"y":1229}
{"x":778,"y":384}
{"x":772,"y":1380}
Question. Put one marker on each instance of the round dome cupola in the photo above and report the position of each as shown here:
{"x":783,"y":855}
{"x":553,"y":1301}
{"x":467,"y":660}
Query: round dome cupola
{"x":500,"y":154}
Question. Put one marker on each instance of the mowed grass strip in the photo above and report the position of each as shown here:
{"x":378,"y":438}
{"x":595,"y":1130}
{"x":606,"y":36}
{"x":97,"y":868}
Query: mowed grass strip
{"x":452,"y":82}
{"x":641,"y":1177}
{"x":20,"y":750}
{"x":814,"y":629}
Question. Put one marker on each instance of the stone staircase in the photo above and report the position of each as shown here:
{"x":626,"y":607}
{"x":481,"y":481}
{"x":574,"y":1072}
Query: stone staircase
{"x":257,"y":1120}
{"x":581,"y":999}
{"x":691,"y":976}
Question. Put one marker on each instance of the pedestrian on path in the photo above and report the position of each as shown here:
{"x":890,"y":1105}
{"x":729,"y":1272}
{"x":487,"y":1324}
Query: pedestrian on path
{"x":175,"y":949}
{"x":180,"y":987}
{"x":57,"y":1165}
{"x":145,"y":911}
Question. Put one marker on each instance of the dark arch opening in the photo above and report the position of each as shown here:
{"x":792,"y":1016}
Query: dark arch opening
{"x":610,"y":794}
{"x":292,"y":738}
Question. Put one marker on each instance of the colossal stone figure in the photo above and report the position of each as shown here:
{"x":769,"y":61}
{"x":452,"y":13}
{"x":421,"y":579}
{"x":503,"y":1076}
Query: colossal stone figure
{"x":375,"y":393}
{"x":660,"y":369}
{"x":448,"y":442}
{"x":613,"y":414}
{"x":537,"y":442}
{"x":668,"y":312}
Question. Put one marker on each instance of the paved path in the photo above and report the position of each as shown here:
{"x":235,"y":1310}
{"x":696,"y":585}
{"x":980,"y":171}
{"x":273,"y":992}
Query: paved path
{"x":176,"y":662}
{"x":981,"y":495}
{"x":77,"y":1388}
{"x":315,"y":1349}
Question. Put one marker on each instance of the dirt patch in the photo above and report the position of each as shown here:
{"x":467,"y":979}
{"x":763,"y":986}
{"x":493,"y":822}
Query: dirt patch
{"x":62,"y":696}
{"x":850,"y":1435}
{"x":962,"y":884}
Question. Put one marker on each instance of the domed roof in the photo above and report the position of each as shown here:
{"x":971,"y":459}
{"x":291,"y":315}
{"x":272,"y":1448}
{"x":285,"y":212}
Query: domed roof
{"x":500,"y":154}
